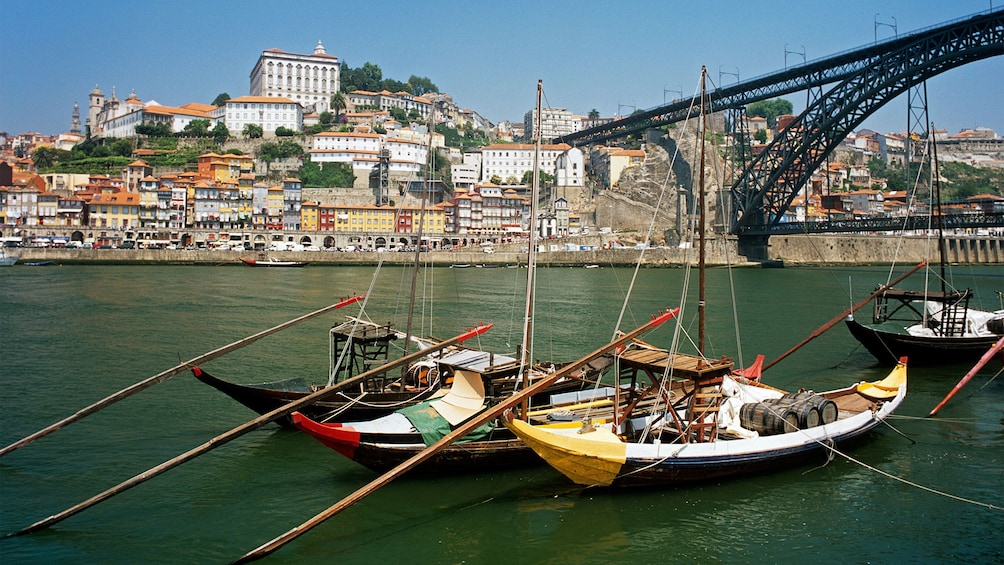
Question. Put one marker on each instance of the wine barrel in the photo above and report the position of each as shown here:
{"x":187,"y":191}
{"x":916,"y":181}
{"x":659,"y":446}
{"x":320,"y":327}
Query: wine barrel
{"x":768,"y":419}
{"x":826,"y":408}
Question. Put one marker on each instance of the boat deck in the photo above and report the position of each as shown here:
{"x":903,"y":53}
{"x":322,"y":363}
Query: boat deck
{"x":685,"y":366}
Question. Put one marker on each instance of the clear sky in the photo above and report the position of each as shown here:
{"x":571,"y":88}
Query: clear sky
{"x":612,"y":56}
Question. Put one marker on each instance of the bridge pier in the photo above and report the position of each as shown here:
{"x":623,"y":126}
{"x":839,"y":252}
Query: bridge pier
{"x":754,"y":247}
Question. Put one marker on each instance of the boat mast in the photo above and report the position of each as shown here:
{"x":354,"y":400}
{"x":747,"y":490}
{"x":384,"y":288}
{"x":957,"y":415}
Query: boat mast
{"x":427,"y":186}
{"x":700,"y":228}
{"x":936,"y":185}
{"x":531,"y":257}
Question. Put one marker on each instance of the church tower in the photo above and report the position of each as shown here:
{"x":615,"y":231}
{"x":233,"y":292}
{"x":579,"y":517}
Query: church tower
{"x":75,"y":124}
{"x":96,"y":101}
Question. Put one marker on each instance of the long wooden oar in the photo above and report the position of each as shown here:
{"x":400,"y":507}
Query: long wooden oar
{"x":161,"y":377}
{"x":822,"y":329}
{"x":449,"y":438}
{"x":972,"y":372}
{"x":243,"y":429}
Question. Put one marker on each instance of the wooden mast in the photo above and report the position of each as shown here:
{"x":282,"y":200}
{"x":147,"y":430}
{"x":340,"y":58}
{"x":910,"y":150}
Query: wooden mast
{"x":427,"y":186}
{"x":526,"y":359}
{"x":700,"y":228}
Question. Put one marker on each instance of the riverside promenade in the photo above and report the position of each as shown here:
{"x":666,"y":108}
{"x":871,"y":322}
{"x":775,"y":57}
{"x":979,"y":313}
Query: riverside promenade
{"x":817,"y":249}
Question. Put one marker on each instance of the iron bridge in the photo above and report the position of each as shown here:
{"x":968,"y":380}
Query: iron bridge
{"x":852,"y":85}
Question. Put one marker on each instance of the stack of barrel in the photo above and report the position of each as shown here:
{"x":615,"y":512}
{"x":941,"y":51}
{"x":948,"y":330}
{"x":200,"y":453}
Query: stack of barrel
{"x":793,"y":411}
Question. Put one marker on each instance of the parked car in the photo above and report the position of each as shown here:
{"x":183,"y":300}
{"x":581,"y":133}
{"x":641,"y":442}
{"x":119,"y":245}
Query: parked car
{"x":128,"y":245}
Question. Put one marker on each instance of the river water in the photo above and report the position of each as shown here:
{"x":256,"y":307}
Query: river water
{"x":74,"y":334}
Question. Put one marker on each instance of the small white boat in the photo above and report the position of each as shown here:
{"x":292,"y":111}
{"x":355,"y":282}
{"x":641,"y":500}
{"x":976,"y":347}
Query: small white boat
{"x":7,"y":260}
{"x":273,"y":262}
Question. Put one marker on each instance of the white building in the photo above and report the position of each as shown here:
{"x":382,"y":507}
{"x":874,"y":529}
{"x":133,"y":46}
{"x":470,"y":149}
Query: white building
{"x":308,"y":80}
{"x":385,"y":100}
{"x":509,"y":161}
{"x":362,"y":151}
{"x":554,"y":122}
{"x":268,"y":112}
{"x":568,"y":168}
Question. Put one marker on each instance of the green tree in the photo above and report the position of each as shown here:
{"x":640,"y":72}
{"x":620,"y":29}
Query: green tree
{"x":220,"y":132}
{"x":399,"y":114}
{"x":495,"y":179}
{"x":769,"y":109}
{"x":545,"y":178}
{"x":421,"y":85}
{"x":121,"y":147}
{"x":253,"y":131}
{"x":46,"y":157}
{"x":326,"y":175}
{"x":154,"y":130}
{"x":594,"y":114}
{"x":221,"y":99}
{"x":196,"y":128}
{"x":326,"y":117}
{"x":338,"y":104}
{"x":283,"y":131}
{"x":761,"y":136}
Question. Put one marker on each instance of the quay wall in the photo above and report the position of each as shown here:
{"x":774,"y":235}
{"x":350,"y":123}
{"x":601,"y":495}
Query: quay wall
{"x":816,"y":249}
{"x":868,"y":249}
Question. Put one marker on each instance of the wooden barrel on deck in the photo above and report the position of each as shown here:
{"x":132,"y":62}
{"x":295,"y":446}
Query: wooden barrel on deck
{"x":768,"y":419}
{"x":826,"y":408}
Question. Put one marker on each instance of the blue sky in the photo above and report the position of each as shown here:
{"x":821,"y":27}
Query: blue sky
{"x":611,"y":56}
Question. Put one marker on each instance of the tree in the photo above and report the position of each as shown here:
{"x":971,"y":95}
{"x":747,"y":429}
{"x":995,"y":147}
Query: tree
{"x":154,"y":130}
{"x":326,"y":117}
{"x":253,"y":131}
{"x":495,"y":179}
{"x":283,"y":131}
{"x":399,"y":114}
{"x":121,"y":147}
{"x":196,"y":128}
{"x":769,"y":109}
{"x":220,"y":132}
{"x":421,"y":85}
{"x":221,"y":99}
{"x":338,"y":104}
{"x":594,"y":114}
{"x":45,"y":157}
{"x":761,"y":136}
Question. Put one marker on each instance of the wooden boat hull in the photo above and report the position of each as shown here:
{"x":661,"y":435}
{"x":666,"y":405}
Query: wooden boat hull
{"x":382,"y":452}
{"x":888,"y":346}
{"x":348,"y":405}
{"x":600,"y":458}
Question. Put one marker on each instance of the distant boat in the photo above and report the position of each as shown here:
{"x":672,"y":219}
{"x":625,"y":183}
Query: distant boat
{"x":273,"y":262}
{"x":7,"y":260}
{"x":460,"y":266}
{"x":592,"y":266}
{"x":929,"y":326}
{"x":39,"y":263}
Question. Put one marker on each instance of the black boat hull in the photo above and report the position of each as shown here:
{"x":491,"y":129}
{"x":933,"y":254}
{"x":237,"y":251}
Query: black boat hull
{"x":346,"y":405}
{"x":888,"y":347}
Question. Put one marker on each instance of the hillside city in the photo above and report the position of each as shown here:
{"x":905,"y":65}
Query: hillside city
{"x":300,"y":154}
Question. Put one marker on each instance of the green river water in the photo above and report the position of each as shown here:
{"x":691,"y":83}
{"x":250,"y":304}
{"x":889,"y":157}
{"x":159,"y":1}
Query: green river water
{"x":71,"y":335}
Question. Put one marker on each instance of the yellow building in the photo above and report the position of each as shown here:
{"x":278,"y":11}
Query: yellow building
{"x":274,"y":207}
{"x":309,"y":216}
